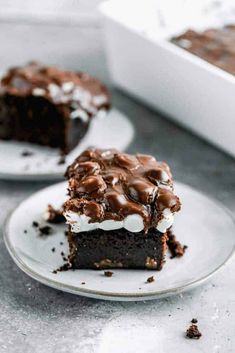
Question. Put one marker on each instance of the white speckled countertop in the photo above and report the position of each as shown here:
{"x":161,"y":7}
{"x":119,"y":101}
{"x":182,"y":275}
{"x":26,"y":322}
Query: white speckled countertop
{"x":34,"y":318}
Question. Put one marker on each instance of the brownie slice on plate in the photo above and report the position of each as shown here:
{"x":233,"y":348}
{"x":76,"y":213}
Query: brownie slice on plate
{"x":119,"y":210}
{"x":48,"y":106}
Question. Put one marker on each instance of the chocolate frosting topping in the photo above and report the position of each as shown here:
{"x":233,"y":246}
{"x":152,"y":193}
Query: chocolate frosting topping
{"x":58,"y":86}
{"x":110,"y":185}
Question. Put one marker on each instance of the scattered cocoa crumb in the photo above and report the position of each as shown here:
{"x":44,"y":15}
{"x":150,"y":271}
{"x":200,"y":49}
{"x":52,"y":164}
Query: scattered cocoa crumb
{"x":65,"y":258}
{"x":150,"y":279}
{"x":61,"y":243}
{"x":64,"y":267}
{"x":62,"y":253}
{"x":193,"y":332}
{"x":54,"y":271}
{"x":53,"y":215}
{"x":176,"y":249}
{"x":194,"y":321}
{"x":83,"y":282}
{"x":53,"y":249}
{"x":46,"y":230}
{"x":62,"y":160}
{"x":25,"y":231}
{"x":108,"y":273}
{"x":66,"y":233}
{"x":35,"y":224}
{"x":26,"y":153}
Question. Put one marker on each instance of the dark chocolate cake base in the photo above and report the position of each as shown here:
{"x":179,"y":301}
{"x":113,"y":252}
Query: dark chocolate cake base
{"x":36,"y":120}
{"x":99,"y":249}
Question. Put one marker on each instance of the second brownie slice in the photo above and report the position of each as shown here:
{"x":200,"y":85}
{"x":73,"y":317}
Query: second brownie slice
{"x":48,"y":106}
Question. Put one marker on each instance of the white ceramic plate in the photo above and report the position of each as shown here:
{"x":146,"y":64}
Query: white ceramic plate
{"x":115,"y":130}
{"x":204,"y":225}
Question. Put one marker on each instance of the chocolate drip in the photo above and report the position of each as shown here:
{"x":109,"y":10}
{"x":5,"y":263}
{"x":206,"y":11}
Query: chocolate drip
{"x":167,"y":199}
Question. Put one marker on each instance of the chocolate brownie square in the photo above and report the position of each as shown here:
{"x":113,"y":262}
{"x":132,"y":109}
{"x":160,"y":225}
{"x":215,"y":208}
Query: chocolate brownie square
{"x":119,"y":211}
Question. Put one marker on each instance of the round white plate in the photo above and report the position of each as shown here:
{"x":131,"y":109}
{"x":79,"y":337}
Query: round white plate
{"x":204,"y":225}
{"x":115,"y":130}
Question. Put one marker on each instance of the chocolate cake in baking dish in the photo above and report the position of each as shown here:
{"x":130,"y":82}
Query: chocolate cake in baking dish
{"x":215,"y":45}
{"x":48,"y":106}
{"x":119,"y":210}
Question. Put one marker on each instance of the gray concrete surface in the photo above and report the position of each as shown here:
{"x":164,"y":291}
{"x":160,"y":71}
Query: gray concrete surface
{"x":34,"y":318}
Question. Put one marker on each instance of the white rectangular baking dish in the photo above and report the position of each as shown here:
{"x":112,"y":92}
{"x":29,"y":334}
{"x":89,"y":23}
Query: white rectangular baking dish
{"x":182,"y":86}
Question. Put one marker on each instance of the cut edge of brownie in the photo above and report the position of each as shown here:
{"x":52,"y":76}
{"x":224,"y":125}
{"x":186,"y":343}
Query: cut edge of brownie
{"x":16,"y":121}
{"x":99,"y":249}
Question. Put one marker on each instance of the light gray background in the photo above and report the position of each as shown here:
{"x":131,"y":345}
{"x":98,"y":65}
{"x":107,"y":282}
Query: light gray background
{"x":34,"y":318}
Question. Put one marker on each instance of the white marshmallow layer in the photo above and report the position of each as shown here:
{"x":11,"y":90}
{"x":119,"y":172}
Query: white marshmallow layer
{"x":133,"y":223}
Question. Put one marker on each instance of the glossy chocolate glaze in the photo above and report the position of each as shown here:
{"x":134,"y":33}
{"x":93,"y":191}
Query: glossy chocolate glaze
{"x":216,"y":46}
{"x":108,"y":184}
